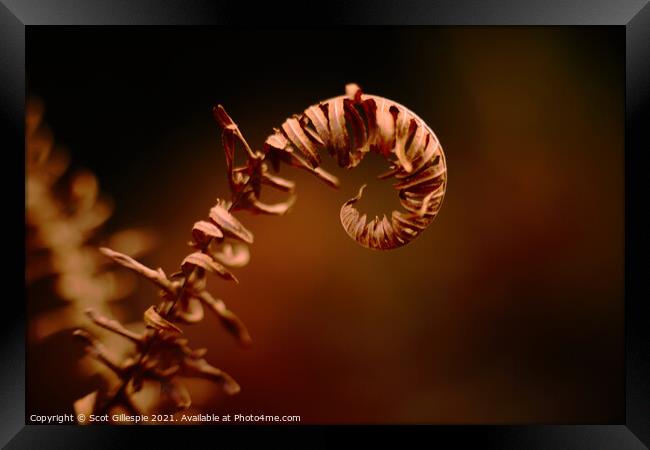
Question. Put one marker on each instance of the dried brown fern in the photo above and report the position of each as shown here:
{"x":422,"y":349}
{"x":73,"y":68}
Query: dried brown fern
{"x":64,"y":212}
{"x":348,"y":127}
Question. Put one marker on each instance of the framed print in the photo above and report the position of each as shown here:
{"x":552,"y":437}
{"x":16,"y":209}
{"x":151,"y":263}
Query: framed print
{"x":418,"y":220}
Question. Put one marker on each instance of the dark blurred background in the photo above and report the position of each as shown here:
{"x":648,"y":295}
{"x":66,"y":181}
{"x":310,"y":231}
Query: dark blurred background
{"x":508,"y":309}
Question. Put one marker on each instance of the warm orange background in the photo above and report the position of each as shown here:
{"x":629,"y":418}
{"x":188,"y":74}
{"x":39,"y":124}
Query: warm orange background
{"x":508,"y":309}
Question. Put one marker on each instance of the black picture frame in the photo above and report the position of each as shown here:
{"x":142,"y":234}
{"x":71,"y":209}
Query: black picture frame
{"x":633,"y":15}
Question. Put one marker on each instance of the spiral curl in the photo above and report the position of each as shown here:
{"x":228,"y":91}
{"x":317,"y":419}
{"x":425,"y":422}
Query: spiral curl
{"x":348,"y":127}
